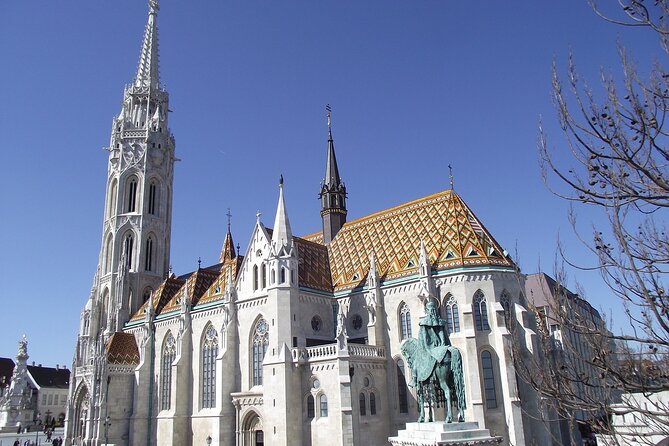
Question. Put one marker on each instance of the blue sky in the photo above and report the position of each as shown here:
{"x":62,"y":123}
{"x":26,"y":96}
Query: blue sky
{"x":414,"y":86}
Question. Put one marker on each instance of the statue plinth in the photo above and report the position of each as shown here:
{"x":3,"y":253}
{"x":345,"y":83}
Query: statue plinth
{"x":442,"y":434}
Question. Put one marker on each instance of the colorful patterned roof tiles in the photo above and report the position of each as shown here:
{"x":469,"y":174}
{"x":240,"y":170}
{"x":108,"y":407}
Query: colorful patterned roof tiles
{"x":122,"y":348}
{"x":452,"y":234}
{"x":314,"y":269}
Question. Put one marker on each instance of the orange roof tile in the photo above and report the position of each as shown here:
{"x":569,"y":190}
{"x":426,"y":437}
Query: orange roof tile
{"x":121,"y":348}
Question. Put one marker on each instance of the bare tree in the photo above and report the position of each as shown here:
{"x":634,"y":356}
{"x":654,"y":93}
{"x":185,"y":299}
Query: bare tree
{"x":617,"y":140}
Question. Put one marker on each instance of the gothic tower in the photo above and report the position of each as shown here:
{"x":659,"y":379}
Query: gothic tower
{"x":135,"y":251}
{"x":333,"y":193}
{"x":134,"y":258}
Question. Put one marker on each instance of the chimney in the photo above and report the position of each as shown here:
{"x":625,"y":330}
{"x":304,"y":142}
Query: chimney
{"x":33,"y":363}
{"x":57,"y":366}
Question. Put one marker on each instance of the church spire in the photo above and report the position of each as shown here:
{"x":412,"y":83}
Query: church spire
{"x":333,"y":191}
{"x":228,"y":251}
{"x":147,"y":71}
{"x":282,"y":237}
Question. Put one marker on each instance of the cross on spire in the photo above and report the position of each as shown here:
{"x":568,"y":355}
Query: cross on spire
{"x":229,"y":215}
{"x":450,"y":175}
{"x":328,"y":110}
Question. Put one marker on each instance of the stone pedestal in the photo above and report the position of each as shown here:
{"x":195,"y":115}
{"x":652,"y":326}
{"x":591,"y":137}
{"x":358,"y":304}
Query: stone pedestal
{"x":441,"y":434}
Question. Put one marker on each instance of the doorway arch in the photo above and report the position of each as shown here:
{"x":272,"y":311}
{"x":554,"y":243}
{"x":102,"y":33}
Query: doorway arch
{"x":252,"y":430}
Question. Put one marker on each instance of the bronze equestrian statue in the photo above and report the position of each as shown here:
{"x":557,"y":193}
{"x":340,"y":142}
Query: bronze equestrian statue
{"x":436,"y":366}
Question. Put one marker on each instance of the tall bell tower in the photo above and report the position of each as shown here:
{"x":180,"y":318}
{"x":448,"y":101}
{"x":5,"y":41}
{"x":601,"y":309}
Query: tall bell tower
{"x":135,"y":252}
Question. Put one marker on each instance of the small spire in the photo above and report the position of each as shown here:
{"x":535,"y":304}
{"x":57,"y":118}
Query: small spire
{"x":332,"y":178}
{"x":450,"y":175}
{"x":282,"y":235}
{"x":147,"y":71}
{"x":228,"y":250}
{"x":199,"y":262}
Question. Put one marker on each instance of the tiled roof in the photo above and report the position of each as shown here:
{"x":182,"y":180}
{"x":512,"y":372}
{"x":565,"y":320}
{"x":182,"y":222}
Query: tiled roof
{"x":195,"y":287}
{"x":203,"y":285}
{"x":314,"y":267}
{"x":216,"y":289}
{"x":452,"y":234}
{"x":50,"y":376}
{"x":122,"y":349}
{"x":165,"y":292}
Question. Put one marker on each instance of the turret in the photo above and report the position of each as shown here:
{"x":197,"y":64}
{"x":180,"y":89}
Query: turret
{"x":333,"y":192}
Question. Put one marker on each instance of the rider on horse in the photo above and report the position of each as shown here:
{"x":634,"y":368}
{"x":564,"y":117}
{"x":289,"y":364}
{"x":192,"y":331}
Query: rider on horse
{"x":433,"y":335}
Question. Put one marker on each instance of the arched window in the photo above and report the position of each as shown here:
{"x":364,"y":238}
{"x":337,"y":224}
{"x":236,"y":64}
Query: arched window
{"x":272,"y":275}
{"x":452,"y":315}
{"x":146,"y":295}
{"x":209,"y":353}
{"x":108,"y":254}
{"x":169,"y":353}
{"x":405,"y":322}
{"x":506,"y":306}
{"x":152,"y":206}
{"x":111,"y":204}
{"x":264,"y":276}
{"x":363,"y":410}
{"x":488,"y":380}
{"x":131,"y":201}
{"x":372,"y":404}
{"x":403,"y":398}
{"x":324,"y":406}
{"x":255,"y":277}
{"x":148,"y":261}
{"x":128,"y":245}
{"x":260,"y":342}
{"x":480,"y":312}
{"x":310,"y":407}
{"x":283,"y":275}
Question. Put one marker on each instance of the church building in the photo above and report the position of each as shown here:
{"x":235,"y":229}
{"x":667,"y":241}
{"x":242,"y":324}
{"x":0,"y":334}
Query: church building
{"x":295,"y":341}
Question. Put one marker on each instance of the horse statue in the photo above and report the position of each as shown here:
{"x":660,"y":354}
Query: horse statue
{"x":436,"y":367}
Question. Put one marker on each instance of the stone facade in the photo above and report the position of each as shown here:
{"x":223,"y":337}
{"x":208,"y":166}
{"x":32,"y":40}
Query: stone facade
{"x":297,"y":341}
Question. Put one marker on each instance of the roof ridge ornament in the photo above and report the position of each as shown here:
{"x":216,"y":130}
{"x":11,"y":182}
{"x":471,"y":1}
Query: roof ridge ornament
{"x":450,"y":175}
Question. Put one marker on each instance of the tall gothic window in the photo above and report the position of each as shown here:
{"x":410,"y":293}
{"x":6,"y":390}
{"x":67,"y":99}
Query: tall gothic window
{"x":405,"y":322}
{"x":148,"y":261}
{"x":324,"y":405}
{"x":363,"y":410}
{"x":372,"y":404}
{"x":209,"y":353}
{"x":310,"y":407}
{"x":132,"y":195}
{"x":480,"y":312}
{"x":111,"y":205}
{"x":169,"y":353}
{"x":128,"y":246}
{"x":402,"y":396}
{"x":488,"y":380}
{"x":255,"y":277}
{"x":108,"y":254}
{"x":506,"y":306}
{"x":264,"y":276}
{"x":153,"y":195}
{"x":283,"y":275}
{"x":260,"y":342}
{"x":452,"y":315}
